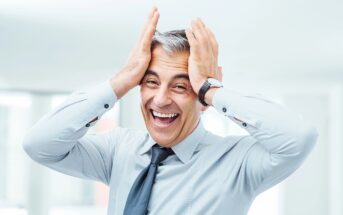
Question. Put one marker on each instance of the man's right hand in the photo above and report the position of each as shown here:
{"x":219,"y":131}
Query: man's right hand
{"x":133,"y":71}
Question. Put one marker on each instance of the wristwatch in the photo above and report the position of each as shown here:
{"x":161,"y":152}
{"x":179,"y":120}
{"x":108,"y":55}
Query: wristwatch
{"x":209,"y":83}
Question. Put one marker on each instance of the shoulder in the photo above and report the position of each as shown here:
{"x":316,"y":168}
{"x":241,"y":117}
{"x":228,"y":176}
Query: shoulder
{"x":228,"y":143}
{"x":127,"y":136}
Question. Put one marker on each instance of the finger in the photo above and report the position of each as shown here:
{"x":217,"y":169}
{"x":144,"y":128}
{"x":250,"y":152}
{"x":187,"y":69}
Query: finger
{"x":149,"y":32}
{"x":196,"y":29}
{"x":150,"y":19}
{"x":147,"y":38}
{"x":214,"y":43}
{"x":152,"y":11}
{"x":201,"y":32}
{"x":155,"y":18}
{"x":190,"y":36}
{"x":202,"y":28}
{"x":201,"y":23}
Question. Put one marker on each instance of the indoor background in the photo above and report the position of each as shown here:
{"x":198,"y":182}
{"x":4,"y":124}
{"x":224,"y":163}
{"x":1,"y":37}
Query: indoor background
{"x":289,"y":50}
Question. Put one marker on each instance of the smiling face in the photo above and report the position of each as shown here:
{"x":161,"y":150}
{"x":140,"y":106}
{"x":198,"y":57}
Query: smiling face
{"x":170,"y":107}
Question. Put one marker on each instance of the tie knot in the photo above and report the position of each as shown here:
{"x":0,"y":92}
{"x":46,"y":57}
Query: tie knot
{"x":159,"y":154}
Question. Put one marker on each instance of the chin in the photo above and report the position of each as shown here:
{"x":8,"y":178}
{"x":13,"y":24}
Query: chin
{"x":163,"y":139}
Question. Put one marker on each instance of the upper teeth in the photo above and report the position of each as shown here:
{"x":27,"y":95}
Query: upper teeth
{"x":164,"y":115}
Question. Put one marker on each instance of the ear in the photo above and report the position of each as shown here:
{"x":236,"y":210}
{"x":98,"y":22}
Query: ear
{"x":220,"y":74}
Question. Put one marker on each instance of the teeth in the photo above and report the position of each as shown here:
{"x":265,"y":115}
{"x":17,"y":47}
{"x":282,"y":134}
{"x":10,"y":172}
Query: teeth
{"x":164,"y":115}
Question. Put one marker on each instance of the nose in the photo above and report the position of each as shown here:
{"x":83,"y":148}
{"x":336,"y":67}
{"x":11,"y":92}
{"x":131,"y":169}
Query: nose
{"x":162,"y":97}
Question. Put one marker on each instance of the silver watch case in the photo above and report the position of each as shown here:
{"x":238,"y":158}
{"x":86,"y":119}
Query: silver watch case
{"x":214,"y":82}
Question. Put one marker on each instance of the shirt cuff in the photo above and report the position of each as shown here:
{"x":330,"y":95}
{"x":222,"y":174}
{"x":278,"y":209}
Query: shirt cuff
{"x":103,"y":94}
{"x":232,"y":104}
{"x":101,"y":98}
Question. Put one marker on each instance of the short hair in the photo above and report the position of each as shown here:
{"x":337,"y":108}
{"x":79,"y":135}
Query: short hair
{"x":174,"y":41}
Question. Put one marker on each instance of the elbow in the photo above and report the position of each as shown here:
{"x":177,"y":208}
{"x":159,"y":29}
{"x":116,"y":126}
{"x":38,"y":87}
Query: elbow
{"x":307,"y":138}
{"x":28,"y":145}
{"x":31,"y":145}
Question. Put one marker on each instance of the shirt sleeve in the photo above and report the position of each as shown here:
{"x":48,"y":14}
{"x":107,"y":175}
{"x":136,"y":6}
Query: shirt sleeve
{"x":60,"y":140}
{"x":283,"y":139}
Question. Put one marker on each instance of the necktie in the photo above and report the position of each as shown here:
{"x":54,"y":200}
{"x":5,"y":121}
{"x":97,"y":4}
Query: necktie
{"x":139,"y":196}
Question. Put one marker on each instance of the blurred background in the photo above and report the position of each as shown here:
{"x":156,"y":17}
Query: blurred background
{"x":289,"y":50}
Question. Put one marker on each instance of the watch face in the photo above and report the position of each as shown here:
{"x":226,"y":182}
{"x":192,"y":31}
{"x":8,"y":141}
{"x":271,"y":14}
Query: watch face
{"x":214,"y":82}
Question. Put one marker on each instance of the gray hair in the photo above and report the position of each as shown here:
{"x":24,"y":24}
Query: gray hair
{"x":171,"y":41}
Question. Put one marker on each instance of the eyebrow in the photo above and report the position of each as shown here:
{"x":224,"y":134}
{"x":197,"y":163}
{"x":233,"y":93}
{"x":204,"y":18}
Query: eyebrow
{"x":184,"y":76}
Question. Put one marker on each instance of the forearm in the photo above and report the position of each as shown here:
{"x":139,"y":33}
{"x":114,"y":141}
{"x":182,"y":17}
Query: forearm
{"x":58,"y":131}
{"x":278,"y":129}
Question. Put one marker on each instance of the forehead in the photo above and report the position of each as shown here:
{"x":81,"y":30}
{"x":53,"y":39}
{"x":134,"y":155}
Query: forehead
{"x":166,"y":64}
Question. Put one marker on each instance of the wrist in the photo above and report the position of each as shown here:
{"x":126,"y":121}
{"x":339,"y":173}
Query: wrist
{"x":207,"y":90}
{"x":120,"y":85}
{"x":198,"y":84}
{"x":117,"y":87}
{"x":209,"y":95}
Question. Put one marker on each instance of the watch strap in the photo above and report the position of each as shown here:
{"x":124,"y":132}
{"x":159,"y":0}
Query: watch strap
{"x":203,"y":90}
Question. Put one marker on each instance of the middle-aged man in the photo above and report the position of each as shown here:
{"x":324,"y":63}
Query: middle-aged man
{"x":177,"y":167}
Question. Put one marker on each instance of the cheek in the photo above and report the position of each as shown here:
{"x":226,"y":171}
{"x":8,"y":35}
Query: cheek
{"x":188,"y":107}
{"x":145,"y":97}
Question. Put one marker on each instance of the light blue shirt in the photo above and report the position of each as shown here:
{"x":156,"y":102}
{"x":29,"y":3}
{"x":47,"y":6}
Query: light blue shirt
{"x":208,"y":174}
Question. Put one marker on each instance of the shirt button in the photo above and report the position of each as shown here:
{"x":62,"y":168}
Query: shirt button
{"x":244,"y":124}
{"x":87,"y":125}
{"x":224,"y":109}
{"x":106,"y":106}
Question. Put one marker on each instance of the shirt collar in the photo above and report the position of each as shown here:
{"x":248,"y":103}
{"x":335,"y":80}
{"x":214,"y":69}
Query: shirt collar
{"x":186,"y":148}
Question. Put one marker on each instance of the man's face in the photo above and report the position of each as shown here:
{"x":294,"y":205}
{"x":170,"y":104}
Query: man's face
{"x":169,"y":105}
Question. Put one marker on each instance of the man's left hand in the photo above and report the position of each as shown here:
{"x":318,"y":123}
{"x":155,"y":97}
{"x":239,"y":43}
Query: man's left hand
{"x":203,"y":59}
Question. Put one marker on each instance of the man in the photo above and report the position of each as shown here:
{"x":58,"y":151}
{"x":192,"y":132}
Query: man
{"x":177,"y":167}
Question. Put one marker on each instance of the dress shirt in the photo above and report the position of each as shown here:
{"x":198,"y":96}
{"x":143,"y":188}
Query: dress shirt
{"x":208,"y":174}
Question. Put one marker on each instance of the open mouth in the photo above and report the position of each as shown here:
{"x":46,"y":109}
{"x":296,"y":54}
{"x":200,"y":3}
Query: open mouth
{"x":164,"y":118}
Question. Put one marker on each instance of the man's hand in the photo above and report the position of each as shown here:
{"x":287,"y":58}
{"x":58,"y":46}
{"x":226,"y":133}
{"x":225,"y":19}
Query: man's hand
{"x":133,"y":71}
{"x":203,"y":59}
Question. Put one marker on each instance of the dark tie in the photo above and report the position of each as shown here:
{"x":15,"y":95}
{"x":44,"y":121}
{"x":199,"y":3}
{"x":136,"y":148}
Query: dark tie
{"x":139,"y":196}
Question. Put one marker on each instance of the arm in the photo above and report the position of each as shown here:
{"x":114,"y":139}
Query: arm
{"x":282,"y":139}
{"x":60,"y":139}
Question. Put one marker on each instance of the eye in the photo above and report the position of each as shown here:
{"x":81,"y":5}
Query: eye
{"x":150,"y":83}
{"x":180,"y":88}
